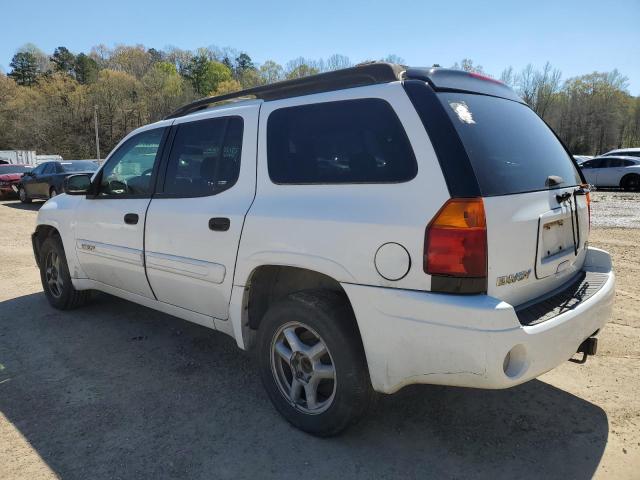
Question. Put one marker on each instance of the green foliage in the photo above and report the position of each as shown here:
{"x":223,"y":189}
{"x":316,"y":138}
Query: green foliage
{"x":205,"y":75}
{"x":85,"y":69}
{"x":63,"y":60}
{"x":24,"y":68}
{"x":47,"y":101}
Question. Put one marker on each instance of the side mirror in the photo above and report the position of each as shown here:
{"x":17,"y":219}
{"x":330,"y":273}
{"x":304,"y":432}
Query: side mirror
{"x":77,"y":184}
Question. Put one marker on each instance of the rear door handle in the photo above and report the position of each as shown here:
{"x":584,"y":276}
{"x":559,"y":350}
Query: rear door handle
{"x":219,"y":224}
{"x":131,"y":218}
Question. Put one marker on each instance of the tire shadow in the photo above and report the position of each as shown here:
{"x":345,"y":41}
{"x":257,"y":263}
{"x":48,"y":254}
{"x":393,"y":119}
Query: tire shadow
{"x":116,"y":390}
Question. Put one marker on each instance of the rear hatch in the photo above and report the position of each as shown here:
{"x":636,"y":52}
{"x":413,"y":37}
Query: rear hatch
{"x":536,"y":212}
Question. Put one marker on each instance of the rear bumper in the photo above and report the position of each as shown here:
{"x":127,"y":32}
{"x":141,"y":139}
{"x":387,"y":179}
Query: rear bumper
{"x":471,"y":341}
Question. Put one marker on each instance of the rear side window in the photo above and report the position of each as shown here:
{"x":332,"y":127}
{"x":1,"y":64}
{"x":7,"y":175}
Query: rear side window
{"x":205,"y":157}
{"x":352,"y":141}
{"x":510,"y":148}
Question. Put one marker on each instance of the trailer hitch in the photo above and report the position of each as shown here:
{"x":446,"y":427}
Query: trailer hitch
{"x":587,"y":348}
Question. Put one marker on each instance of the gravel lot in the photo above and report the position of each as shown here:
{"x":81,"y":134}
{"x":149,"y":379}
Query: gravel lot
{"x":115,"y":390}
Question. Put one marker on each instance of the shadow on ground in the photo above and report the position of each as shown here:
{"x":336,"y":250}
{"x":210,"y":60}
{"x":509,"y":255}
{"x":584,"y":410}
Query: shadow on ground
{"x":18,"y":205}
{"x":115,"y":390}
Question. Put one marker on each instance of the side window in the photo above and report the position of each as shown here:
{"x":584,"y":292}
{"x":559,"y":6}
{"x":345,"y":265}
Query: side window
{"x":352,"y":141}
{"x":205,"y":157}
{"x":128,"y":171}
{"x":629,"y":163}
{"x":39,"y":169}
{"x":49,"y":168}
{"x":614,"y":162}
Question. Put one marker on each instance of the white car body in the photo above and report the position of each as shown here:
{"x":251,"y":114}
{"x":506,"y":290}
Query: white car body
{"x":368,"y":238}
{"x":611,"y":170}
{"x":624,"y":152}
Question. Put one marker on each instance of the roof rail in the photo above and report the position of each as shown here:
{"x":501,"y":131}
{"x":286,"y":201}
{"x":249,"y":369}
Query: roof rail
{"x":358,"y":76}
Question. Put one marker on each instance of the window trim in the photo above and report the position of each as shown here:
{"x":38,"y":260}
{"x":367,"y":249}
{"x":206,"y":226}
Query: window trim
{"x":393,"y":110}
{"x":93,"y":193}
{"x":164,"y":161}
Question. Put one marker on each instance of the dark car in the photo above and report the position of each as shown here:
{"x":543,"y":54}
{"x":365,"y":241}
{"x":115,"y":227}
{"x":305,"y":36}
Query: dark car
{"x":47,"y":179}
{"x":10,"y":176}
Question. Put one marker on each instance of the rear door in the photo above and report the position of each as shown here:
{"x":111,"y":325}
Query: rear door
{"x":611,"y":173}
{"x":195,"y":220}
{"x":537,"y":217}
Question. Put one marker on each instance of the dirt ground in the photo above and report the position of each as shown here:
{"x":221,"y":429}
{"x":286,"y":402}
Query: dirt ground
{"x":115,"y":390}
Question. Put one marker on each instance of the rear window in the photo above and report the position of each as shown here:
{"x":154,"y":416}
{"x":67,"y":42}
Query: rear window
{"x":510,"y":148}
{"x":352,"y":141}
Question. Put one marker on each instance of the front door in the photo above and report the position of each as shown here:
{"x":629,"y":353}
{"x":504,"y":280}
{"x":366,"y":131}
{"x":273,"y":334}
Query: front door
{"x":110,"y":221}
{"x":195,"y":219}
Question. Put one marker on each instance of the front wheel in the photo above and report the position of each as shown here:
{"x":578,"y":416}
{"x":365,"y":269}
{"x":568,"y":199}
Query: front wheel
{"x":312,"y":363}
{"x":55,"y":277}
{"x":53,"y":192}
{"x":22,"y":195}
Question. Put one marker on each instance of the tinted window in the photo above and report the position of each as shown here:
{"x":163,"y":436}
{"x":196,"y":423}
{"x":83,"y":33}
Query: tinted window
{"x":13,"y":169}
{"x":49,"y":168}
{"x":39,"y":169}
{"x":205,"y":157}
{"x":615,"y":162}
{"x":628,"y":163}
{"x":128,"y":171}
{"x":354,"y":141}
{"x":79,"y":166}
{"x":510,"y":148}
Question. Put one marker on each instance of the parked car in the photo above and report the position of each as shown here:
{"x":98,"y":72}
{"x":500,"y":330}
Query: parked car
{"x":47,"y":179}
{"x":10,"y":176}
{"x":613,"y":171}
{"x":623,"y":152}
{"x":582,"y":158}
{"x":358,"y":230}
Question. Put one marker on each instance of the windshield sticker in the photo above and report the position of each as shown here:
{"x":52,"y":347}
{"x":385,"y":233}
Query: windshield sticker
{"x":462,"y":111}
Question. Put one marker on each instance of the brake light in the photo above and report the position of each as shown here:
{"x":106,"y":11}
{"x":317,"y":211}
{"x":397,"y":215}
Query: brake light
{"x":456,"y":240}
{"x":486,"y":78}
{"x":589,"y":207}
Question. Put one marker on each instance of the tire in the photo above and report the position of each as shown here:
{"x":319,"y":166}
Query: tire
{"x":52,"y":192}
{"x":56,"y":281}
{"x":630,"y":182}
{"x":22,"y":195}
{"x":318,"y":319}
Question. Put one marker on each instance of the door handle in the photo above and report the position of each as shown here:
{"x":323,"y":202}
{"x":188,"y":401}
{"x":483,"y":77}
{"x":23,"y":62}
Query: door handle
{"x":219,"y":224}
{"x":131,"y":218}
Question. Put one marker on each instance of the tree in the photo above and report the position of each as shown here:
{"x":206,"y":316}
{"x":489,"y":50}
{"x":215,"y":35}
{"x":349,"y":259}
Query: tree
{"x":24,"y":68}
{"x":337,"y":62}
{"x":468,"y":66}
{"x":85,"y":69}
{"x":63,"y":60}
{"x":205,"y":75}
{"x":227,"y":86}
{"x":164,"y":90}
{"x":244,"y":63}
{"x":300,"y":67}
{"x":271,"y":71}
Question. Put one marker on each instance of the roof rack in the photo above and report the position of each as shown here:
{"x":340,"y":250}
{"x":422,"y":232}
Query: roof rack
{"x":358,"y":76}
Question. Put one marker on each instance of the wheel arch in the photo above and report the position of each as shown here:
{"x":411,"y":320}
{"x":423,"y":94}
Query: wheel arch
{"x":269,"y":283}
{"x":626,"y":177}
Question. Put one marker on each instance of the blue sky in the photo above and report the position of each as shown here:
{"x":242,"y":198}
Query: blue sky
{"x":575,"y":36}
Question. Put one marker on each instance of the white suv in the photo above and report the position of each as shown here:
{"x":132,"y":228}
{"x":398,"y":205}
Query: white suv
{"x":359,"y":230}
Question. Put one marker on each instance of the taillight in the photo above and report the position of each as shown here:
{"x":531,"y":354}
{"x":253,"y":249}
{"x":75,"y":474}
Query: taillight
{"x":589,"y":207}
{"x":455,"y":242}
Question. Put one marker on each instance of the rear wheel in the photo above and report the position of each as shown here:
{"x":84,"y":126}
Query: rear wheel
{"x":56,"y":281}
{"x":312,"y":362}
{"x":630,"y":182}
{"x":22,"y":195}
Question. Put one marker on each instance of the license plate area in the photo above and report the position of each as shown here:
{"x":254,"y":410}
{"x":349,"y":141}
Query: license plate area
{"x":556,"y":242}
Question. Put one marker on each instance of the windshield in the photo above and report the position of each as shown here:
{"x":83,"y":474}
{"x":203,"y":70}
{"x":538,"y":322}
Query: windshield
{"x":4,"y":169}
{"x":79,"y":166}
{"x":510,"y":148}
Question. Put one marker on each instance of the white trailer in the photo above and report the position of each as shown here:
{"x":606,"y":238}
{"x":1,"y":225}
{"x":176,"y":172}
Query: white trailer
{"x":24,"y":157}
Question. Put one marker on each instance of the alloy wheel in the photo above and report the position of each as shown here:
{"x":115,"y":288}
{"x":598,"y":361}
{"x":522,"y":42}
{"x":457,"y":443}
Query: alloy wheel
{"x":303,"y":368}
{"x":52,"y":274}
